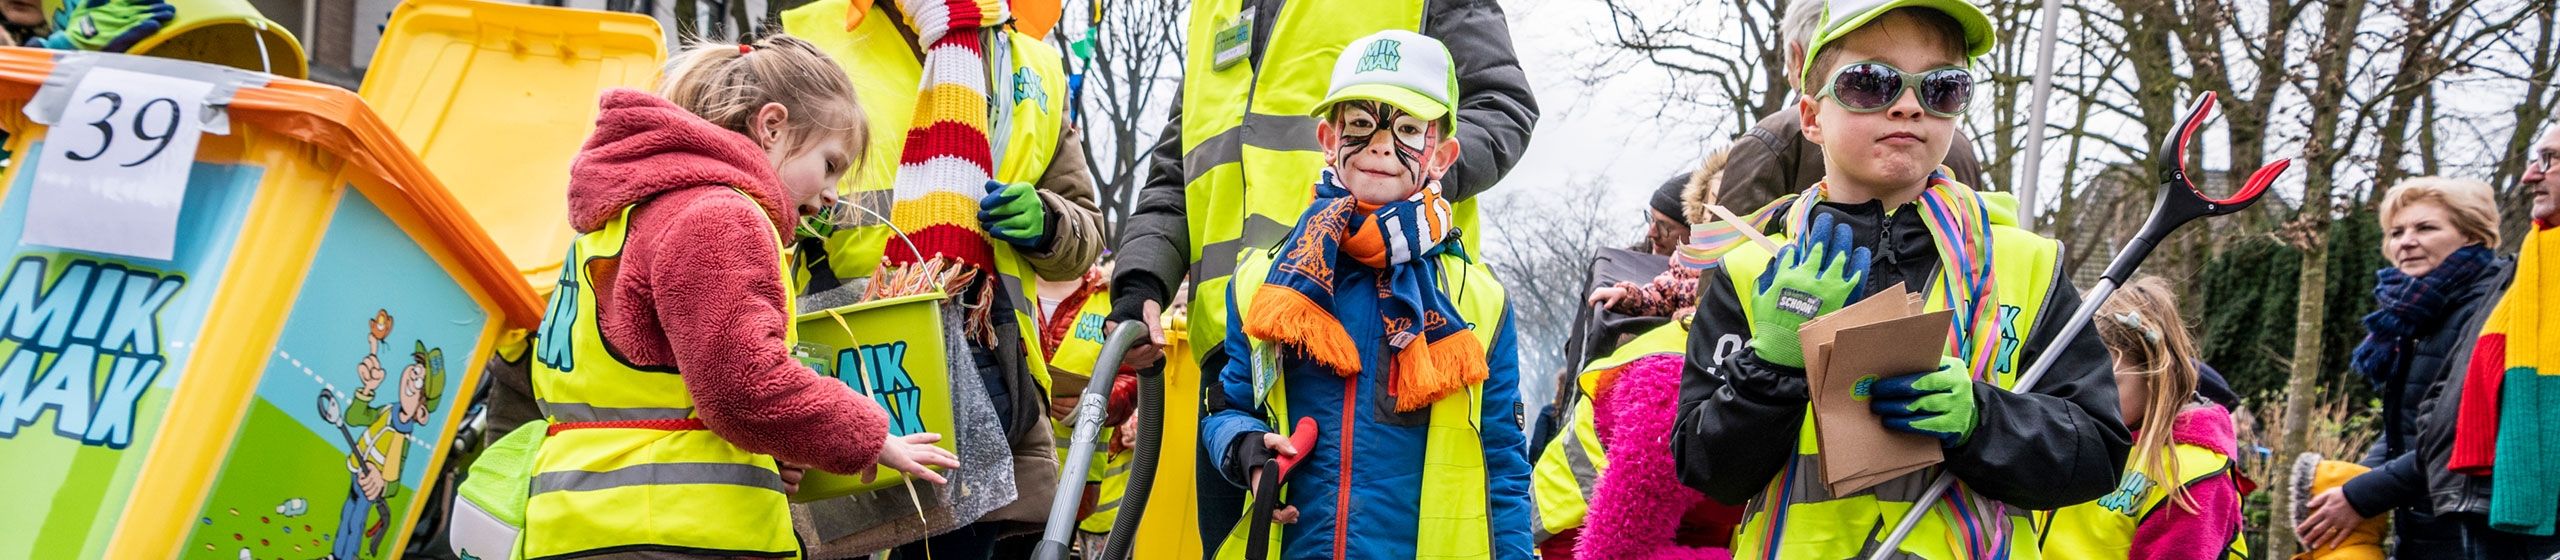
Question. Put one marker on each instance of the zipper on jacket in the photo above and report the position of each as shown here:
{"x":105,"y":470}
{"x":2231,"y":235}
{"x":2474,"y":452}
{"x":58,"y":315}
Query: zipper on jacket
{"x":1892,"y":254}
{"x":1342,"y":488}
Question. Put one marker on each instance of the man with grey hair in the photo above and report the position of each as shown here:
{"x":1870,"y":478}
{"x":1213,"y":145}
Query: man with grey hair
{"x":2541,"y":179}
{"x":1774,"y":159}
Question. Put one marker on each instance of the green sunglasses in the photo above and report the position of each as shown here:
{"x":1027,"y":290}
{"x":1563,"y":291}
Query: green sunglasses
{"x":1870,"y":86}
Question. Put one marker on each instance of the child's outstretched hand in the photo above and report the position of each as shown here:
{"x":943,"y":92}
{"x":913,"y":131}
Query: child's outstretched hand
{"x":910,"y":454}
{"x":1817,"y":273}
{"x":1609,"y":296}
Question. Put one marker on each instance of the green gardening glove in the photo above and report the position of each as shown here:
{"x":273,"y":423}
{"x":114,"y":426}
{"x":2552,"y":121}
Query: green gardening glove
{"x":1013,"y":213}
{"x":107,"y":25}
{"x":1817,"y":273}
{"x":1937,"y":403}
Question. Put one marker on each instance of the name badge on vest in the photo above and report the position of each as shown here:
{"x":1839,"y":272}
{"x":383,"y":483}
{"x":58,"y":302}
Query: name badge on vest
{"x":1266,"y":371}
{"x":1234,"y":39}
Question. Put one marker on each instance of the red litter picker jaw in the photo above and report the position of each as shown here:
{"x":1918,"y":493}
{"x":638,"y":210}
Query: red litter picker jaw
{"x":2180,"y":201}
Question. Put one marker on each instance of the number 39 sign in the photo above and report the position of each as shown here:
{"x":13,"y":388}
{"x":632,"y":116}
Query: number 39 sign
{"x":113,"y":170}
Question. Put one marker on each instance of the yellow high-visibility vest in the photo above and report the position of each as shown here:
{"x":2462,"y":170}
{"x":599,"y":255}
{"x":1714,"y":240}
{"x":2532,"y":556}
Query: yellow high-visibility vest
{"x":1569,"y":469}
{"x":1820,"y":525}
{"x":1249,"y":153}
{"x":602,"y":489}
{"x":2104,"y":528}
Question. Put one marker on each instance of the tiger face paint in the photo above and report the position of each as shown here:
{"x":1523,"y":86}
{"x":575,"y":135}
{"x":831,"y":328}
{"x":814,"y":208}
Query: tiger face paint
{"x":1381,"y":153}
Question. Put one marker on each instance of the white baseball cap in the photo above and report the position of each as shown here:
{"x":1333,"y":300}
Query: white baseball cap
{"x":1399,"y":68}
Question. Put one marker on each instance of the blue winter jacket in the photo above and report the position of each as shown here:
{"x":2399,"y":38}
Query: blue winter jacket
{"x":1384,"y":470}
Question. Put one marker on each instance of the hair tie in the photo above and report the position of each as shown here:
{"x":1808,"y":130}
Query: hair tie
{"x":2132,"y":320}
{"x":744,"y":48}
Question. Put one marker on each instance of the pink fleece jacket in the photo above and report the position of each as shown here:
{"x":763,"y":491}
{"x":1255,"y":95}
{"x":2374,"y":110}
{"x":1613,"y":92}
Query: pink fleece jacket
{"x":696,"y":289}
{"x":1634,"y":417}
{"x":2172,"y":532}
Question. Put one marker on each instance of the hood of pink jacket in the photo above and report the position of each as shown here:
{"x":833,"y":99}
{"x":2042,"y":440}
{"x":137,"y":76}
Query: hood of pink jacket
{"x":644,"y":146}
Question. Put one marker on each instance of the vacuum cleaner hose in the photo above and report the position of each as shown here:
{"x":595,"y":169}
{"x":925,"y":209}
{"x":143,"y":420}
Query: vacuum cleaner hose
{"x":1142,"y":466}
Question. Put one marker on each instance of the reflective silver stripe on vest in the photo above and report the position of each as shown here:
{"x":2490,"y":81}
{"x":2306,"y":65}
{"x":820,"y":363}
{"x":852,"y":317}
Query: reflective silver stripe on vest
{"x":1284,"y":133}
{"x":1219,"y":260}
{"x":1585,"y":475}
{"x":1014,"y":288}
{"x":582,"y":412}
{"x":1223,"y":148}
{"x":658,"y":474}
{"x":1809,"y":488}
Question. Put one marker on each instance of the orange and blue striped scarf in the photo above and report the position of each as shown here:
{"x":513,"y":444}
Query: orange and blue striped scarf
{"x":1431,"y":351}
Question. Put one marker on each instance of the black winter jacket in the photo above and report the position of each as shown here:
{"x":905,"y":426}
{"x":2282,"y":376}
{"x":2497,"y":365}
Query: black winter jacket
{"x":2418,"y":403}
{"x":2063,"y":443}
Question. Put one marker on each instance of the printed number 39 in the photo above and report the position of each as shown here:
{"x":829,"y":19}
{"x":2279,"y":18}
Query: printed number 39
{"x":141,"y":129}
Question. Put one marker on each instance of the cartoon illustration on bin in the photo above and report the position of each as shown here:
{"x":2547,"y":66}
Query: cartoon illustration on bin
{"x":379,"y":453}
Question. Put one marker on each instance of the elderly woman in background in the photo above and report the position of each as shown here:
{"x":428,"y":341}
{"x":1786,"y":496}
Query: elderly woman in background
{"x":2440,"y":236}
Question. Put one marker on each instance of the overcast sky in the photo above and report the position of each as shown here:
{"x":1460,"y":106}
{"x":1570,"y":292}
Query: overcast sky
{"x":1606,"y":131}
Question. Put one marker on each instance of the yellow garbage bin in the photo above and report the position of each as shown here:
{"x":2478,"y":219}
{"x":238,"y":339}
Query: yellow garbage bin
{"x":496,"y":98}
{"x":285,"y":377}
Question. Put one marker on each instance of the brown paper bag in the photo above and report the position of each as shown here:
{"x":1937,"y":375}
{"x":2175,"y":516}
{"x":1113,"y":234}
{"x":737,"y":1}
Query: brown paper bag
{"x":1884,"y":335}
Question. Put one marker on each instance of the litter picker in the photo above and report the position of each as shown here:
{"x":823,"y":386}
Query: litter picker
{"x":1088,"y":431}
{"x":2180,"y":202}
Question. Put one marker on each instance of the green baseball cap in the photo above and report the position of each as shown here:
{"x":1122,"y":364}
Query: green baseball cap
{"x":1400,"y":68}
{"x":1840,"y":17}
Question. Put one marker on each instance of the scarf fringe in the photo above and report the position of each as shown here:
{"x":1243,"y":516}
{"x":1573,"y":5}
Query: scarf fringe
{"x":1428,"y":372}
{"x":1291,"y":319}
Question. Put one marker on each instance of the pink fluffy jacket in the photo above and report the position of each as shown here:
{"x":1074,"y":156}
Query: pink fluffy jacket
{"x":2174,"y":533}
{"x":1634,"y":417}
{"x":696,"y":289}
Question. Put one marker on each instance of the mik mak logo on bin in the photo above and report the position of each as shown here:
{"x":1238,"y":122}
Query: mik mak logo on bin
{"x":86,"y":343}
{"x":881,"y":371}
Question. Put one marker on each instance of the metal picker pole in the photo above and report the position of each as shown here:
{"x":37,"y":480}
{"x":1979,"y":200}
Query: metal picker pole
{"x":1088,"y":415}
{"x":2032,"y":170}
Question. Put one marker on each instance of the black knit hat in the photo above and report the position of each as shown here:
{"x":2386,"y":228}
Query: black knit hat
{"x":1666,"y":199}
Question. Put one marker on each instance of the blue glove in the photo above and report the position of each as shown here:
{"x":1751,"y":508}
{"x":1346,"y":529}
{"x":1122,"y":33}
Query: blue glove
{"x":108,"y":25}
{"x":1014,"y":214}
{"x":1816,"y":274}
{"x":1937,"y":403}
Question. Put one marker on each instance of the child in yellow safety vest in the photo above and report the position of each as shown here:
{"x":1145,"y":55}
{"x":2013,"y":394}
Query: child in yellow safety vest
{"x":1370,"y":328}
{"x":1884,"y":83}
{"x":2178,"y":499}
{"x":678,"y":416}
